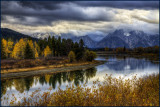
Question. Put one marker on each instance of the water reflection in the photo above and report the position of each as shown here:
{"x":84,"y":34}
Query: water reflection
{"x":126,"y":67}
{"x":24,"y":84}
{"x":117,"y":66}
{"x":129,"y":63}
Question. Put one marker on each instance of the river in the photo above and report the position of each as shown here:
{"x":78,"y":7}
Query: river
{"x":126,"y":67}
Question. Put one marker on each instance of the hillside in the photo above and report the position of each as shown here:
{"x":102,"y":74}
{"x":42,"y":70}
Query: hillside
{"x":14,"y":35}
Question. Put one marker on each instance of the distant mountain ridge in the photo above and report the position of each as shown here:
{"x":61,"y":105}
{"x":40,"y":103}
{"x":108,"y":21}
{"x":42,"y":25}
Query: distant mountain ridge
{"x":87,"y":41}
{"x":129,"y":39}
{"x":118,"y":38}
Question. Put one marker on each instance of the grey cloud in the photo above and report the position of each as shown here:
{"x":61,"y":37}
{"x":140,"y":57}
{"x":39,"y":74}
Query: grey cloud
{"x":46,"y":14}
{"x":122,"y":4}
{"x":146,"y":20}
{"x":50,"y":5}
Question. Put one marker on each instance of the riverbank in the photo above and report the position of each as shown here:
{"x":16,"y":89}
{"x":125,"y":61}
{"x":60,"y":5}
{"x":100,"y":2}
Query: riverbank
{"x":22,"y":72}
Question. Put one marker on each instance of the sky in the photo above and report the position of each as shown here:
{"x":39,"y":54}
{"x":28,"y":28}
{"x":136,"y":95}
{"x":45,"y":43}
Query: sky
{"x":80,"y":17}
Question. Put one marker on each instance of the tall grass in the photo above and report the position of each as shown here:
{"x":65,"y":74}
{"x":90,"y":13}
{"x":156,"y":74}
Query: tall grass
{"x":112,"y":92}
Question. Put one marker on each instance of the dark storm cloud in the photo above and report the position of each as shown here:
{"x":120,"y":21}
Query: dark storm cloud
{"x":45,"y":12}
{"x":114,"y":4}
{"x":122,"y":4}
{"x":50,"y":5}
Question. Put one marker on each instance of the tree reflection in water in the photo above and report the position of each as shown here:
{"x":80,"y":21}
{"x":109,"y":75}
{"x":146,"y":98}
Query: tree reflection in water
{"x":24,"y":84}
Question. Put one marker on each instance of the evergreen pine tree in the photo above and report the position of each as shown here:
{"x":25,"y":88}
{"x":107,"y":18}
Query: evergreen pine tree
{"x":58,"y":46}
{"x":81,"y":43}
{"x":53,"y":45}
{"x":28,"y":53}
{"x":81,"y":50}
{"x":77,"y":51}
{"x":50,"y":42}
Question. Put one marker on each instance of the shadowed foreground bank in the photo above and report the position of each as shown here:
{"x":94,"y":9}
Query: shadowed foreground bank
{"x":112,"y":92}
{"x":48,"y":69}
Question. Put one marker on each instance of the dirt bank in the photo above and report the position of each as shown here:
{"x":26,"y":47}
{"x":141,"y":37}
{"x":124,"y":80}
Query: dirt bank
{"x":48,"y":69}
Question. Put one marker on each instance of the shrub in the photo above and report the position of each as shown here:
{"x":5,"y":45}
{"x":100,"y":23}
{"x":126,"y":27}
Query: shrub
{"x":90,"y":55}
{"x":71,"y":56}
{"x":112,"y":92}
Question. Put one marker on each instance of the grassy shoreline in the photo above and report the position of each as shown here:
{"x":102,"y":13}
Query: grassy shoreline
{"x":12,"y":73}
{"x":47,"y":67}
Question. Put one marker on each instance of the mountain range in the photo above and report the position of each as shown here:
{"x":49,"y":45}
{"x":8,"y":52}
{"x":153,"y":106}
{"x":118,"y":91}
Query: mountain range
{"x":118,"y":38}
{"x":131,"y":39}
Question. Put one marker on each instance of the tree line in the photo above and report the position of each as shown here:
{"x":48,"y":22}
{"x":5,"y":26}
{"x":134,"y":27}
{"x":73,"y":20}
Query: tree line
{"x":153,"y":49}
{"x":48,"y":47}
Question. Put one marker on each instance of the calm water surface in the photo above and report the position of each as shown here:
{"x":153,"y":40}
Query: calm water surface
{"x":117,"y":66}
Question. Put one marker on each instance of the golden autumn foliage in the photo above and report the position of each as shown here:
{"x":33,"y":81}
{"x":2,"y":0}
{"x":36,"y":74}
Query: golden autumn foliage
{"x":19,"y":49}
{"x":16,"y":51}
{"x":36,"y":53}
{"x":36,"y":50}
{"x":36,"y":46}
{"x":47,"y":51}
{"x":8,"y":46}
{"x":111,"y":92}
{"x":4,"y":44}
{"x":3,"y":54}
{"x":31,"y":45}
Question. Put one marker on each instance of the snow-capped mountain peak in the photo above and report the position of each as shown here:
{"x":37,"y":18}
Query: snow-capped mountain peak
{"x":118,"y":38}
{"x":127,"y":34}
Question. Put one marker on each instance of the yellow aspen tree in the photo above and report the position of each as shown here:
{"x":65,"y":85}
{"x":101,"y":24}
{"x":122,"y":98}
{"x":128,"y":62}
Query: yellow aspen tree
{"x":47,"y":51}
{"x":16,"y":51}
{"x":3,"y":54}
{"x":37,"y":49}
{"x":36,"y":53}
{"x":19,"y":48}
{"x":22,"y":43}
{"x":4,"y":42}
{"x":9,"y":47}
